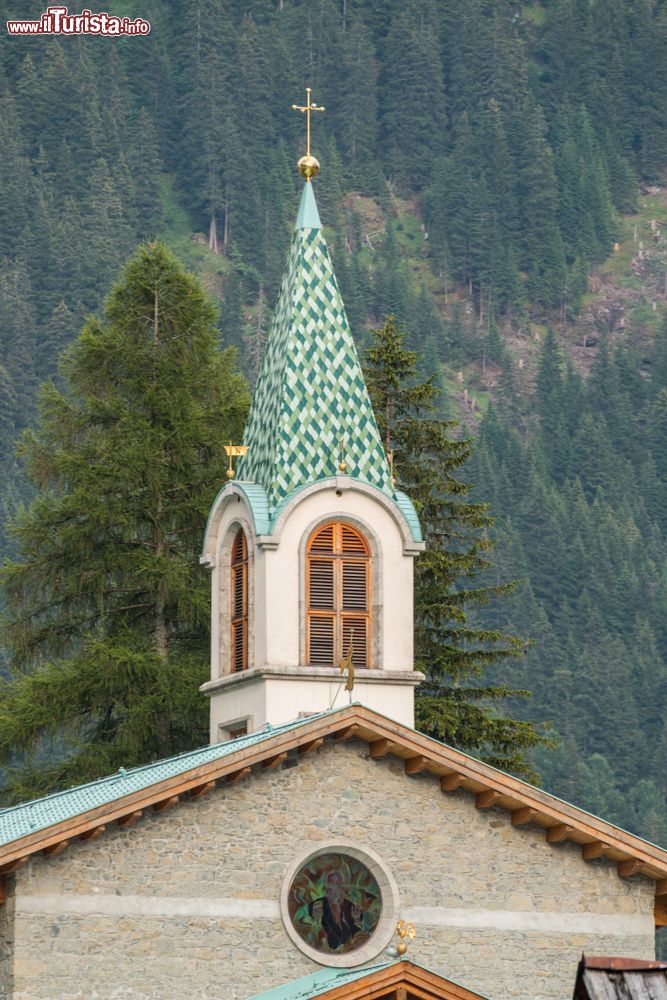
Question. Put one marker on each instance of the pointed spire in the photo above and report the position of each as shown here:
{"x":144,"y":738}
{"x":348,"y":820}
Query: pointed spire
{"x":308,"y":217}
{"x":311,"y":414}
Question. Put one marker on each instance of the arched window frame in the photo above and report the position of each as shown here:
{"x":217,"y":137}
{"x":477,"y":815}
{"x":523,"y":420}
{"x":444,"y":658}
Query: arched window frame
{"x":238,"y":612}
{"x":340,"y":601}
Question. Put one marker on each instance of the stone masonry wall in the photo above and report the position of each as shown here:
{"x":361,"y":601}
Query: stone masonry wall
{"x":186,"y":903}
{"x":6,"y":945}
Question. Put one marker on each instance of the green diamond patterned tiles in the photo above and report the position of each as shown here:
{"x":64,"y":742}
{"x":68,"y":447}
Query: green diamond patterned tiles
{"x":311,"y":399}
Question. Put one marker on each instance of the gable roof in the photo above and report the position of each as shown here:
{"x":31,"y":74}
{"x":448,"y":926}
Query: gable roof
{"x":50,"y":824}
{"x":19,"y":821}
{"x":602,"y":978}
{"x":311,"y":406}
{"x":373,"y":981}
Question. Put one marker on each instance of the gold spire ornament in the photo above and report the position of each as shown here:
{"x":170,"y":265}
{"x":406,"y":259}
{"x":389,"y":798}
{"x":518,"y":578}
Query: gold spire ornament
{"x":308,"y":166}
{"x":342,"y":465}
{"x":404,"y":931}
{"x":233,"y":451}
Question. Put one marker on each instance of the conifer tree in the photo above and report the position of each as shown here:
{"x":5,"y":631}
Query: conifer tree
{"x":108,"y":610}
{"x":459,"y":704}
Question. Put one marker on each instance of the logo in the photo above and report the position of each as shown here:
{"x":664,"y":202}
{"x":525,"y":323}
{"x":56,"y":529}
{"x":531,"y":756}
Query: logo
{"x":58,"y":21}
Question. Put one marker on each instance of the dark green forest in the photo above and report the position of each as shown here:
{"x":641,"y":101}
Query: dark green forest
{"x":480,"y":162}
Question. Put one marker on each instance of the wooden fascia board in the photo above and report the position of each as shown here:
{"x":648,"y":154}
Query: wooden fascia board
{"x":514,"y":793}
{"x":361,"y":723}
{"x":418,"y":981}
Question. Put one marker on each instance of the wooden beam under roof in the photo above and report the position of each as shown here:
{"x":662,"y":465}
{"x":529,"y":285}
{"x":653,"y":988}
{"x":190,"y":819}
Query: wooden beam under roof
{"x":241,"y":772}
{"x":94,"y":833}
{"x":380,"y":748}
{"x":558,"y":833}
{"x":596,"y":849}
{"x":415,"y":765}
{"x":203,"y":789}
{"x":166,"y":804}
{"x":523,"y":815}
{"x":54,"y":850}
{"x":451,"y":782}
{"x":129,"y":819}
{"x":485,"y":800}
{"x":629,"y":867}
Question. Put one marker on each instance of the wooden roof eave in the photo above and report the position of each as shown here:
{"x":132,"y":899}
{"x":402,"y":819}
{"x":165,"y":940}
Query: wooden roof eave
{"x":492,"y":788}
{"x":417,"y":981}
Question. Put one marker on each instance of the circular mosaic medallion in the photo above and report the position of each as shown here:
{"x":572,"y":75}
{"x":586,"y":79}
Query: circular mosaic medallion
{"x":334,"y":903}
{"x":338,"y":902}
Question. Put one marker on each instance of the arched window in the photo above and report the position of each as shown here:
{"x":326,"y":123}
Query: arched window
{"x":338,"y":582}
{"x":239,"y":594}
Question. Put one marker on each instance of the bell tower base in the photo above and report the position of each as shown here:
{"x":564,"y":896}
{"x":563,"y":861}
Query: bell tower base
{"x":251,"y":699}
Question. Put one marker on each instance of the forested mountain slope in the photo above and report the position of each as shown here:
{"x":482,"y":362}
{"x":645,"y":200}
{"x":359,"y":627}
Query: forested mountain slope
{"x":481,"y":160}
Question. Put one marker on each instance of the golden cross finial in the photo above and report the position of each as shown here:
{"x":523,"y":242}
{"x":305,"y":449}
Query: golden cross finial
{"x":308,"y":165}
{"x":307,"y":107}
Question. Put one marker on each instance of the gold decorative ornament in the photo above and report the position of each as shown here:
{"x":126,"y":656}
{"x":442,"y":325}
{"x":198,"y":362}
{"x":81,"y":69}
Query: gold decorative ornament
{"x":404,"y":931}
{"x":308,"y":165}
{"x":348,"y":664}
{"x":391,"y":468}
{"x":342,"y":465}
{"x":233,"y":451}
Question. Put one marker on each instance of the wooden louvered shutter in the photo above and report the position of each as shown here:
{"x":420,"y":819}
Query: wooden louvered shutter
{"x":355,"y":598}
{"x":321,"y":640}
{"x":338,"y":596}
{"x":324,"y":540}
{"x":239,"y":598}
{"x":351,"y":542}
{"x":322,"y":591}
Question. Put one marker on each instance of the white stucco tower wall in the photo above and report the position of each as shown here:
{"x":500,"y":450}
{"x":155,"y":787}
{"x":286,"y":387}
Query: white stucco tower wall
{"x":278,"y":684}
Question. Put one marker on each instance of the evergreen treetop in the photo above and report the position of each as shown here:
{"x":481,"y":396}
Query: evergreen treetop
{"x":107,"y":607}
{"x":459,"y":705}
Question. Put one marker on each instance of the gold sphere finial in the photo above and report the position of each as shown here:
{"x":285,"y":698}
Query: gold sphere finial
{"x":342,"y":466}
{"x":308,"y":166}
{"x":230,"y":473}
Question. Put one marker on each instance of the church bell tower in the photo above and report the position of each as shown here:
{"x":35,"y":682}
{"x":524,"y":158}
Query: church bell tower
{"x":310,"y":544}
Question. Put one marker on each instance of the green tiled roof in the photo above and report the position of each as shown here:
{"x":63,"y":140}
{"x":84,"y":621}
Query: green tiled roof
{"x":324,"y":980}
{"x":407,"y":509}
{"x":319,"y":982}
{"x":311,"y":399}
{"x":19,"y":821}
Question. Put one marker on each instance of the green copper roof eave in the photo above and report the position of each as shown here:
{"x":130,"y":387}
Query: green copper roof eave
{"x":400,"y":500}
{"x":316,"y":983}
{"x":259,"y":506}
{"x":407,"y":509}
{"x":308,"y":216}
{"x":319,"y":982}
{"x":39,"y":814}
